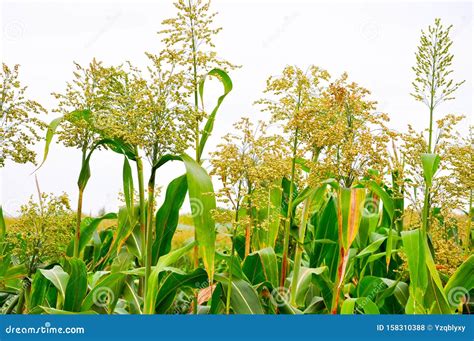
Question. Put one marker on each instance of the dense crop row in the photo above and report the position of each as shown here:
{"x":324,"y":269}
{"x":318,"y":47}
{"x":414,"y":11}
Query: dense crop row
{"x":334,"y":213}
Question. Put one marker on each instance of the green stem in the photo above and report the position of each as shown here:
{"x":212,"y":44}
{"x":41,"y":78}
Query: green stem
{"x":77,"y":232}
{"x":232,"y":251}
{"x":426,"y":211}
{"x":149,"y":225}
{"x":141,"y":192}
{"x":341,"y":271}
{"x":299,"y":251}
{"x":286,"y":240}
{"x":21,"y":302}
{"x":467,"y":240}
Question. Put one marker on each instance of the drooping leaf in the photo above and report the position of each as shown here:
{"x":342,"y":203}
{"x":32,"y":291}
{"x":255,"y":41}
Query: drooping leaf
{"x":49,"y":137}
{"x":227,"y":83}
{"x":58,"y":277}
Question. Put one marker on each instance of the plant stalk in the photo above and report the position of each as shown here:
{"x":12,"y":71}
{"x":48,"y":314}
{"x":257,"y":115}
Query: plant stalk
{"x":299,"y":251}
{"x":149,"y":224}
{"x":286,"y":241}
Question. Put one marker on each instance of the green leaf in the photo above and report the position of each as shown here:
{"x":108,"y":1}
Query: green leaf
{"x":128,"y":189}
{"x":167,"y":217}
{"x":102,"y":294}
{"x":388,"y":203}
{"x":261,"y":266}
{"x":76,"y":286}
{"x":52,"y":311}
{"x":243,"y":298}
{"x":153,"y":280}
{"x":174,"y":281}
{"x":49,"y":137}
{"x":58,"y":277}
{"x":462,"y":278}
{"x":203,"y":202}
{"x":271,"y":213}
{"x":227,"y":83}
{"x":414,"y":247}
{"x":371,"y":248}
{"x":304,"y":282}
{"x":88,"y":227}
{"x":430,"y":166}
{"x":349,"y":212}
{"x":363,"y":303}
{"x":39,"y":290}
{"x":3,"y":228}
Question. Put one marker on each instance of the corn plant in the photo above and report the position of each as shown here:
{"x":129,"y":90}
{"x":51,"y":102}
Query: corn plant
{"x":311,"y":214}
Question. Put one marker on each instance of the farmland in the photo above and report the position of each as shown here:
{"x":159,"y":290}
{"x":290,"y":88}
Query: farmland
{"x":323,"y":208}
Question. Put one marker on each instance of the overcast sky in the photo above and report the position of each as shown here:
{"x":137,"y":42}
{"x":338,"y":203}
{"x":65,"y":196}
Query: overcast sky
{"x":374,"y":42}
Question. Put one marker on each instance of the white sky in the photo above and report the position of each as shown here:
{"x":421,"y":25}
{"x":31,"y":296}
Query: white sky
{"x":374,"y":42}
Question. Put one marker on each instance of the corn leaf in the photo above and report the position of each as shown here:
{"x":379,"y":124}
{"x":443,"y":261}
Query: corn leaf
{"x":58,"y":277}
{"x":203,"y":202}
{"x":414,"y":247}
{"x":167,"y":216}
{"x":227,"y":83}
{"x":52,"y":311}
{"x":364,"y":303}
{"x":88,"y":227}
{"x":76,"y":286}
{"x":243,"y":298}
{"x":39,"y":290}
{"x":350,"y":205}
{"x":153,"y":285}
{"x":304,"y":282}
{"x":174,"y":281}
{"x":462,"y":278}
{"x":430,"y":166}
{"x":103,"y":288}
{"x":3,"y":228}
{"x":261,"y":266}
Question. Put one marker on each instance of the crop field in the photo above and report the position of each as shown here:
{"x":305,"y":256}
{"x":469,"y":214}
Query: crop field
{"x":323,"y":208}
